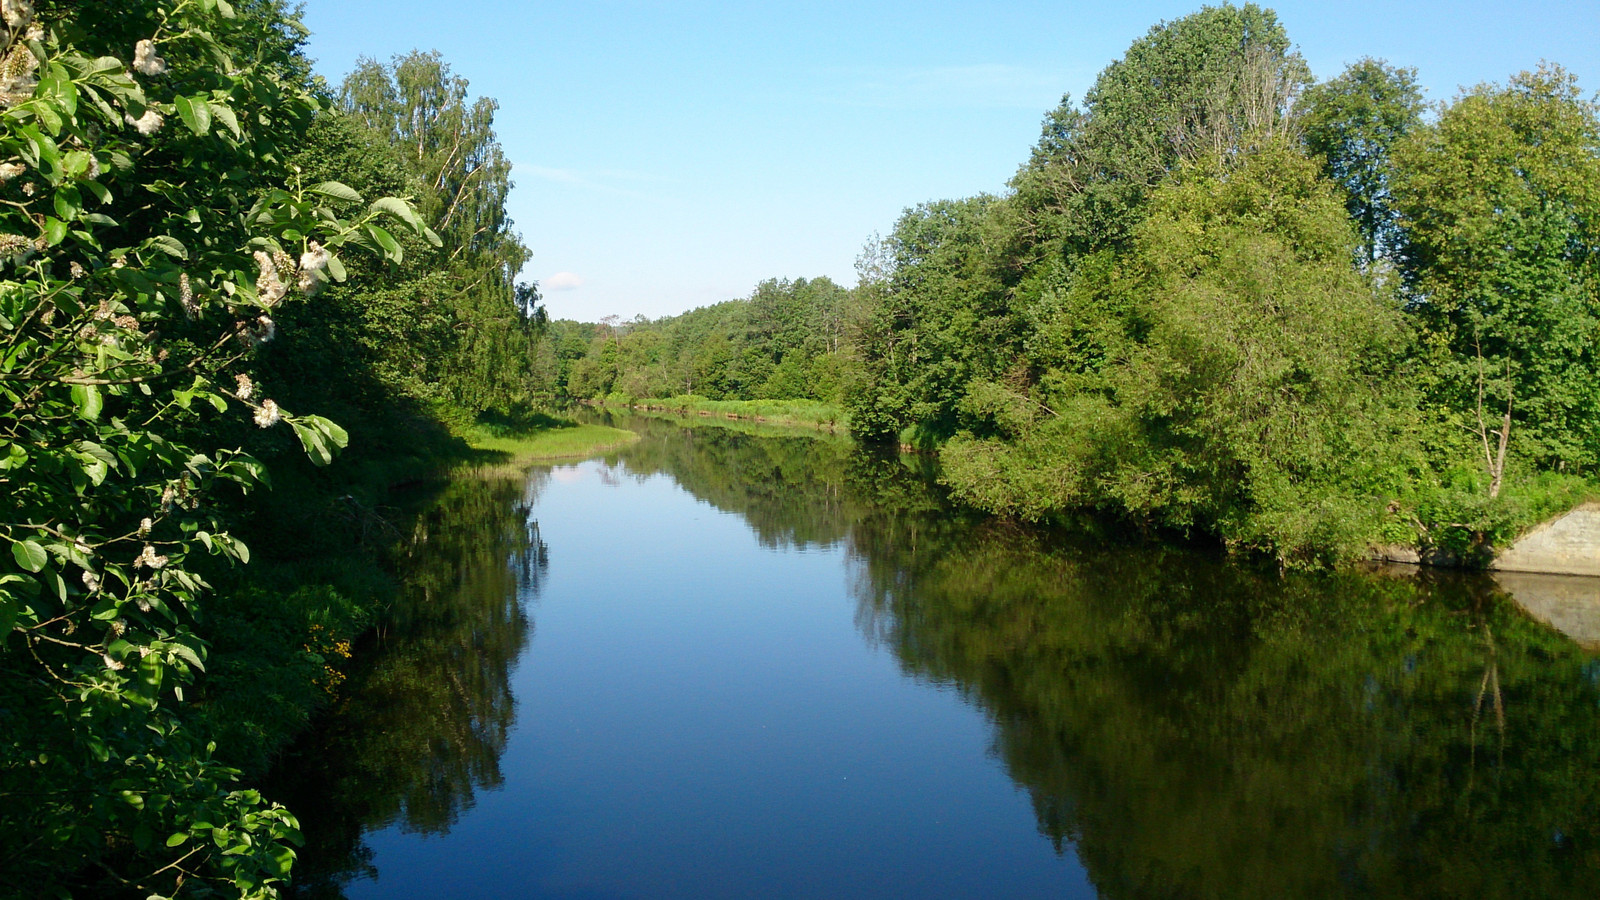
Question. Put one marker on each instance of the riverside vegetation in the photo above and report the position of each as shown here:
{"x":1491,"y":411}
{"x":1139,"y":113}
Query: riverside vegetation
{"x":213,"y":267}
{"x":1217,"y":299}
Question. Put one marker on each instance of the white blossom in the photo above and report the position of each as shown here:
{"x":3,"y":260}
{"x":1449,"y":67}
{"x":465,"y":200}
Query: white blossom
{"x":17,"y":13}
{"x":9,"y":171}
{"x":149,"y":557}
{"x":15,"y":249}
{"x":268,"y":415}
{"x":256,"y":333}
{"x":247,"y":388}
{"x":313,"y":269}
{"x":145,"y":525}
{"x":269,"y":287}
{"x":91,"y":581}
{"x":17,"y":80}
{"x":147,"y":124}
{"x":145,"y":60}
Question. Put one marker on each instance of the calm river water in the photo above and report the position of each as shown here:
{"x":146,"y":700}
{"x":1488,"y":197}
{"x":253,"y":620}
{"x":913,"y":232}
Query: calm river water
{"x":719,"y":665}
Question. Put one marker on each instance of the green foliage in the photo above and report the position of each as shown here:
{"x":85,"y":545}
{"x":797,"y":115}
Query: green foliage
{"x":453,"y":327}
{"x":1168,"y":319}
{"x":1352,"y":123}
{"x":1198,"y":86}
{"x":786,"y":341}
{"x":1249,"y":392}
{"x":152,"y":230}
{"x":1500,"y":203}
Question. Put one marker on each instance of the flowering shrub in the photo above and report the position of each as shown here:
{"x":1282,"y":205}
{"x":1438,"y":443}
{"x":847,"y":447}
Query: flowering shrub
{"x":149,"y":229}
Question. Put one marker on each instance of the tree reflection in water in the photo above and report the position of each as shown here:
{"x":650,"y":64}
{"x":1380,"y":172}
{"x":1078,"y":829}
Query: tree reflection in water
{"x":420,"y":728}
{"x":1196,"y":728}
{"x":1188,"y":727}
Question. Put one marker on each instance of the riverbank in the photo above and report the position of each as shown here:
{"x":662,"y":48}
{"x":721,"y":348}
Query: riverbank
{"x":812,"y":414}
{"x":285,"y":629}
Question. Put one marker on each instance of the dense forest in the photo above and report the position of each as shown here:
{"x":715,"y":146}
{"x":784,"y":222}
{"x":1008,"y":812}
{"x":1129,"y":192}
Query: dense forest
{"x":1218,"y":299}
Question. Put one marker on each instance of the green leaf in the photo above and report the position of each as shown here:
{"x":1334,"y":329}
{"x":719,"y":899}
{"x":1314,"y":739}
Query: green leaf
{"x":391,"y":247}
{"x":337,"y":191}
{"x":169,"y":245}
{"x":177,"y":839}
{"x":9,"y":610}
{"x":401,"y":210}
{"x":195,"y":112}
{"x":224,"y":114}
{"x":29,"y":555}
{"x":321,"y":438}
{"x":314,"y":444}
{"x":68,"y":202}
{"x":100,"y":191}
{"x":86,"y":397}
{"x":187,"y":654}
{"x":336,"y":268}
{"x":55,"y":230}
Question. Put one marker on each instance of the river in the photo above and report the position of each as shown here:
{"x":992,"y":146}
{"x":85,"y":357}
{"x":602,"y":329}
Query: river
{"x":718,"y":664}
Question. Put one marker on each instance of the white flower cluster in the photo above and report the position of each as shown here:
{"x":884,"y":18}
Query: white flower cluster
{"x":145,"y":60}
{"x":11,"y":170}
{"x":17,"y":80}
{"x":310,"y":275}
{"x":147,"y":124}
{"x":15,"y":249}
{"x":149,"y":557}
{"x":256,"y":333}
{"x":246,"y":388}
{"x":268,"y":415}
{"x":313,"y":269}
{"x":17,"y":13}
{"x":186,"y":296}
{"x":269,"y":288}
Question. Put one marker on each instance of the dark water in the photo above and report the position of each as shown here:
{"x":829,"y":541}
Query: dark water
{"x":717,"y":665}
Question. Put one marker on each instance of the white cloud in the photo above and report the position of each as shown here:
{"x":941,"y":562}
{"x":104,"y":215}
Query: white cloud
{"x":562,"y":281}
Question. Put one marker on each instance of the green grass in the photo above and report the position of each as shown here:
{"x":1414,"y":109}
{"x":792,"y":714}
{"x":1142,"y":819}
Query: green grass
{"x":563,"y":441}
{"x":805,"y":413}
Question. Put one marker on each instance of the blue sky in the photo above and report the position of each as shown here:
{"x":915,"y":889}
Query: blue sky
{"x":671,"y":155}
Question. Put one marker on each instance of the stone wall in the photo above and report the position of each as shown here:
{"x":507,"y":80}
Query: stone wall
{"x":1566,"y":545}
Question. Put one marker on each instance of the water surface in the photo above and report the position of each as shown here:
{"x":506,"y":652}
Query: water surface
{"x":721,"y":665}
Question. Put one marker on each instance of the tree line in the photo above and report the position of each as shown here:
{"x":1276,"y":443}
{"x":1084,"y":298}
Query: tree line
{"x":1222,"y":298}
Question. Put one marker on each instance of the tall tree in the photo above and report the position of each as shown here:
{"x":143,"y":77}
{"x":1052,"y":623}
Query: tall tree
{"x":1500,"y":202}
{"x":460,"y":178}
{"x":1205,"y":84}
{"x":1353,"y":123}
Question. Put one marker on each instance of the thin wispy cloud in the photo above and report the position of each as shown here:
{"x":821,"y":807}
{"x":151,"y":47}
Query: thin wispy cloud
{"x":983,"y":86}
{"x":607,"y":181}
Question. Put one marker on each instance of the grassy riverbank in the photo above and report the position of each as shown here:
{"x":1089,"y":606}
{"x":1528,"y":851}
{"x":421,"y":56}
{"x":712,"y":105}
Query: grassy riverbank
{"x":802,"y":413}
{"x":565,"y":440}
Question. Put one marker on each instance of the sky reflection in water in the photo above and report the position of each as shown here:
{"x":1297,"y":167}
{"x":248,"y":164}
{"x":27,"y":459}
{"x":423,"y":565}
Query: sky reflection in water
{"x":827,"y":685}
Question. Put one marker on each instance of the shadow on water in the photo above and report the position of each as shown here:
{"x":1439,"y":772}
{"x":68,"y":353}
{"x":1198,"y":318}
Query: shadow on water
{"x":420,"y":727}
{"x":1186,"y":727}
